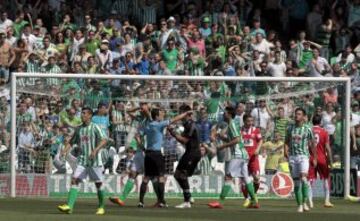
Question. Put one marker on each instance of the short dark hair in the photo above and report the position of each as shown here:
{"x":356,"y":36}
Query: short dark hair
{"x":231,"y":111}
{"x":316,"y":119}
{"x":154,"y":113}
{"x":300,"y":109}
{"x":184,"y":108}
{"x":88,"y":109}
{"x":246,"y":116}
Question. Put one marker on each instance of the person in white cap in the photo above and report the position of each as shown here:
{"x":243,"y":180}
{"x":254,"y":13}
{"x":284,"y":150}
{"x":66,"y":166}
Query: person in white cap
{"x":171,"y":30}
{"x":104,"y":55}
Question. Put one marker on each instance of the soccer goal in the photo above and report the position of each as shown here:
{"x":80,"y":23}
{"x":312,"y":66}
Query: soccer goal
{"x":47,"y":107}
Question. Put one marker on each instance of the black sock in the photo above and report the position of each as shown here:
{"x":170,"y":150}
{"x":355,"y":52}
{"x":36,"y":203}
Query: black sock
{"x":143,"y":187}
{"x":184,"y":184}
{"x":155,"y":184}
{"x":161,"y":192}
{"x":187,"y":195}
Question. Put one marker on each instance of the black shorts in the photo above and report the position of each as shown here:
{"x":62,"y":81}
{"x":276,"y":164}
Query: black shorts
{"x":154,"y":163}
{"x":188,"y":163}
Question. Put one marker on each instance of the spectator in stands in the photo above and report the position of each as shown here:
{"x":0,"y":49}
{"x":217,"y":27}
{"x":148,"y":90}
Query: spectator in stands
{"x":7,"y":57}
{"x":274,"y":151}
{"x":26,"y":148}
{"x":204,"y":165}
{"x":262,"y":119}
{"x":318,"y":66}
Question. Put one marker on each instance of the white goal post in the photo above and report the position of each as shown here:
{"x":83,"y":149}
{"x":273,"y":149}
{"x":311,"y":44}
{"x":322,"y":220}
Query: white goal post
{"x":346,"y":81}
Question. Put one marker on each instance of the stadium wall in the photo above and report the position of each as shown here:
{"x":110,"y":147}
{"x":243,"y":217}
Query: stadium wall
{"x":272,"y":186}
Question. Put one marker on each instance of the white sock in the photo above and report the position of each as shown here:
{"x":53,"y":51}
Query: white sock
{"x":327,"y":190}
{"x":310,"y":193}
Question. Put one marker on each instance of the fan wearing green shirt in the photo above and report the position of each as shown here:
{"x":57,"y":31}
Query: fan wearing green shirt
{"x":170,"y":55}
{"x":68,"y":118}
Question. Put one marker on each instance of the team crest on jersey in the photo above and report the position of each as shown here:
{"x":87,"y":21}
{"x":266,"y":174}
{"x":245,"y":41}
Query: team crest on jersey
{"x":85,"y":139}
{"x":297,"y":138}
{"x":282,"y":184}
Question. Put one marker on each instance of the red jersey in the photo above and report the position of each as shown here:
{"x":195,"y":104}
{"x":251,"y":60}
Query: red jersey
{"x":251,"y":138}
{"x":322,"y":139}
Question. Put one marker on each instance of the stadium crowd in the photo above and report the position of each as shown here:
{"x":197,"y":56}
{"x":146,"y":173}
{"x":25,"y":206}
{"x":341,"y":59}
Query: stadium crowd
{"x":279,"y":38}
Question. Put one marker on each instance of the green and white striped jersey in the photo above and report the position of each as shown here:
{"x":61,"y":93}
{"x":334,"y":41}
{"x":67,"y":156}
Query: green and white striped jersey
{"x":139,"y":121}
{"x":238,"y":150}
{"x":119,"y":116}
{"x":93,"y":97}
{"x":298,"y":139}
{"x":87,"y":137}
{"x":52,"y":69}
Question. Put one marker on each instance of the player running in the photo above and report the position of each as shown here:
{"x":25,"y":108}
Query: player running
{"x":188,"y":162}
{"x":90,"y":139}
{"x":252,"y":142}
{"x":299,"y":139}
{"x":238,"y":164}
{"x":324,"y":161}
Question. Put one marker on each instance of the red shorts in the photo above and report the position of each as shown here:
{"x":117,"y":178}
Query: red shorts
{"x":322,"y":169}
{"x":254,"y":166}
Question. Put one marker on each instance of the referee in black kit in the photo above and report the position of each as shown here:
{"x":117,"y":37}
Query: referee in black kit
{"x":191,"y":140}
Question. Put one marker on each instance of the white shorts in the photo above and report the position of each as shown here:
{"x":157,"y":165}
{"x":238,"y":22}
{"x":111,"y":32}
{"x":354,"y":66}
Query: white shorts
{"x":137,"y":163}
{"x":95,"y":173}
{"x":299,"y":165}
{"x":60,"y":162}
{"x":237,"y":168}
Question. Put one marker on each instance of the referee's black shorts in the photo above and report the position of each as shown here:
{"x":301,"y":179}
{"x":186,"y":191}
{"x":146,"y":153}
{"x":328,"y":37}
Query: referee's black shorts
{"x":154,"y":163}
{"x":188,"y":163}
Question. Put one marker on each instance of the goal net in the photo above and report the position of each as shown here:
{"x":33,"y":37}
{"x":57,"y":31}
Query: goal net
{"x":47,"y":110}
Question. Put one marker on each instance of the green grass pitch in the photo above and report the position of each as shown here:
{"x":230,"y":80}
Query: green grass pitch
{"x":45,"y":209}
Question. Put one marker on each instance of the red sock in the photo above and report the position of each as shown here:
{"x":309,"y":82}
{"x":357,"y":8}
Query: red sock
{"x":244,"y":191}
{"x":256,"y":187}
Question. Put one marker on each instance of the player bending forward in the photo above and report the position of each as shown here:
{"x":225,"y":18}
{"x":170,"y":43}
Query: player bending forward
{"x":90,"y":140}
{"x":299,"y":139}
{"x":324,"y":161}
{"x":238,"y":165}
{"x":190,"y":159}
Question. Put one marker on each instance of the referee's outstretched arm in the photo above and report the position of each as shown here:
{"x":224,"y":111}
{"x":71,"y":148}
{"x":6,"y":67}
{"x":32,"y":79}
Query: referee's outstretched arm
{"x":180,"y":117}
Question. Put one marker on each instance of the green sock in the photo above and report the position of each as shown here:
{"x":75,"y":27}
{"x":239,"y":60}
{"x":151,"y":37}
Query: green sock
{"x":127,"y":189}
{"x":251,"y":191}
{"x":225,"y":191}
{"x":305,"y":190}
{"x":101,"y":197}
{"x":72,"y":196}
{"x":298,"y":195}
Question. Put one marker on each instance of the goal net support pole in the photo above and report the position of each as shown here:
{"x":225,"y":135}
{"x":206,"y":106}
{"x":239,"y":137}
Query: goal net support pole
{"x":346,"y":81}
